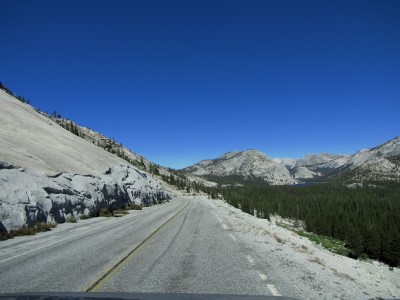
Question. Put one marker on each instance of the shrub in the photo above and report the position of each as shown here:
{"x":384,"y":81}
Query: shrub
{"x":4,"y":236}
{"x":134,"y":206}
{"x":71,"y":219}
{"x":104,"y":212}
{"x":42,"y":227}
{"x":119,"y":212}
{"x":38,"y":227}
{"x":84,"y":217}
{"x":22,"y":231}
{"x":329,"y":243}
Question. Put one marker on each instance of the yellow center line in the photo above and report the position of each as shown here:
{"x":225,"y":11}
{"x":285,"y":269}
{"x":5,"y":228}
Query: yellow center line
{"x":97,"y":283}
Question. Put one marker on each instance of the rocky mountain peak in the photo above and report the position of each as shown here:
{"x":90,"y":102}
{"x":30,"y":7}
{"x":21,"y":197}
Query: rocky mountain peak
{"x":249,"y":164}
{"x":227,"y":155}
{"x":255,"y":153}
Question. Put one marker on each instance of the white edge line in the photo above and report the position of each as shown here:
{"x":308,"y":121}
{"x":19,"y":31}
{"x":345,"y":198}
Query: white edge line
{"x":233,"y":237}
{"x":58,"y":241}
{"x":223,"y":225}
{"x":219,"y":218}
{"x":70,"y":237}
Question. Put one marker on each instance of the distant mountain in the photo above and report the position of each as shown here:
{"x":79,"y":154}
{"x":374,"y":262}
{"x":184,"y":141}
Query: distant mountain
{"x":314,"y":165}
{"x":250,"y":164}
{"x":379,"y":163}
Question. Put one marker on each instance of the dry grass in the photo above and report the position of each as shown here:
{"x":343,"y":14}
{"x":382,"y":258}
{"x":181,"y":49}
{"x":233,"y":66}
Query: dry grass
{"x":303,"y":249}
{"x":278,"y":239}
{"x":134,"y":207}
{"x":23,"y":231}
{"x":42,"y":227}
{"x":71,"y":219}
{"x":343,"y":275}
{"x":104,"y":212}
{"x":120,"y":212}
{"x":317,"y":260}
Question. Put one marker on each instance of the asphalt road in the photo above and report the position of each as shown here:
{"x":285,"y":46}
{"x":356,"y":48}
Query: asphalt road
{"x":179,"y":247}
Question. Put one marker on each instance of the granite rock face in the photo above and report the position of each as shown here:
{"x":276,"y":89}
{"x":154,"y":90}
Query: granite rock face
{"x":49,"y":174}
{"x":28,"y":196}
{"x":248,"y":164}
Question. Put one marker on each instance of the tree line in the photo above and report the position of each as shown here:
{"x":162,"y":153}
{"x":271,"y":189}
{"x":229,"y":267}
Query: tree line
{"x":366,"y":218}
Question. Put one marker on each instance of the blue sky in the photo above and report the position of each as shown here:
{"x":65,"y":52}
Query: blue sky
{"x":181,"y":81}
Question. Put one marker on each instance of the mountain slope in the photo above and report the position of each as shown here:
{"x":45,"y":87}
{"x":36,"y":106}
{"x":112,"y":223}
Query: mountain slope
{"x":29,"y":139}
{"x":314,"y":165}
{"x":379,"y":163}
{"x":111,"y":146}
{"x":48,"y":174}
{"x":250,"y":164}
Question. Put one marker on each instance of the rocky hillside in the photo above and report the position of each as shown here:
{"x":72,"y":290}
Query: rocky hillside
{"x":250,"y":164}
{"x":314,"y":165}
{"x":379,"y":163}
{"x":166,"y":175}
{"x":110,"y":145}
{"x":48,"y":173}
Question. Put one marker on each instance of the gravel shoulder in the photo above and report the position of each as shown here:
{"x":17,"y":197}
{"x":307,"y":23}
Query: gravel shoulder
{"x":315,"y":273}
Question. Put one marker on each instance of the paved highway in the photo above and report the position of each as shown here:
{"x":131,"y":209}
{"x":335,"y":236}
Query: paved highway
{"x":178,"y":247}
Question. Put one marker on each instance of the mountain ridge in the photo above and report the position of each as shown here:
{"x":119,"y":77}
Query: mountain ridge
{"x":251,"y":164}
{"x":379,"y":161}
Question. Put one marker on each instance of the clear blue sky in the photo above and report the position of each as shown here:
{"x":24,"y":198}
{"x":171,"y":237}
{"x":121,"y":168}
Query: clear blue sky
{"x":181,"y":81}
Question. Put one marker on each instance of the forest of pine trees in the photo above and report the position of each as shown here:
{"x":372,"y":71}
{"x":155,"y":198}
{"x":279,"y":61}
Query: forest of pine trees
{"x":23,"y":100}
{"x":68,"y":125}
{"x":366,"y":218}
{"x":179,"y":180}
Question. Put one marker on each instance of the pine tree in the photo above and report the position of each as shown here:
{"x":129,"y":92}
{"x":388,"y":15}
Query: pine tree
{"x":372,"y":243}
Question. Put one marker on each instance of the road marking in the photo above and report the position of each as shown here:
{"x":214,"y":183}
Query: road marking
{"x":273,"y":290}
{"x":129,"y":254}
{"x":251,"y":260}
{"x":72,"y":236}
{"x":223,"y":225}
{"x":219,"y":218}
{"x":233,"y":238}
{"x":263,"y":276}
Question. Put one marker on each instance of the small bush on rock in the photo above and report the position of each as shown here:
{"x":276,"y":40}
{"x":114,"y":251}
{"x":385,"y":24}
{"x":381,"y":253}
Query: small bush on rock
{"x":120,"y":212}
{"x":134,"y":206}
{"x":42,"y":227}
{"x":84,"y":217}
{"x":71,"y":219}
{"x":104,"y":212}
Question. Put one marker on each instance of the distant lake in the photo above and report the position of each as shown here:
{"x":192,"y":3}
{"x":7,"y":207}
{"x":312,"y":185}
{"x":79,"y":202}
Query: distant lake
{"x":307,"y":184}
